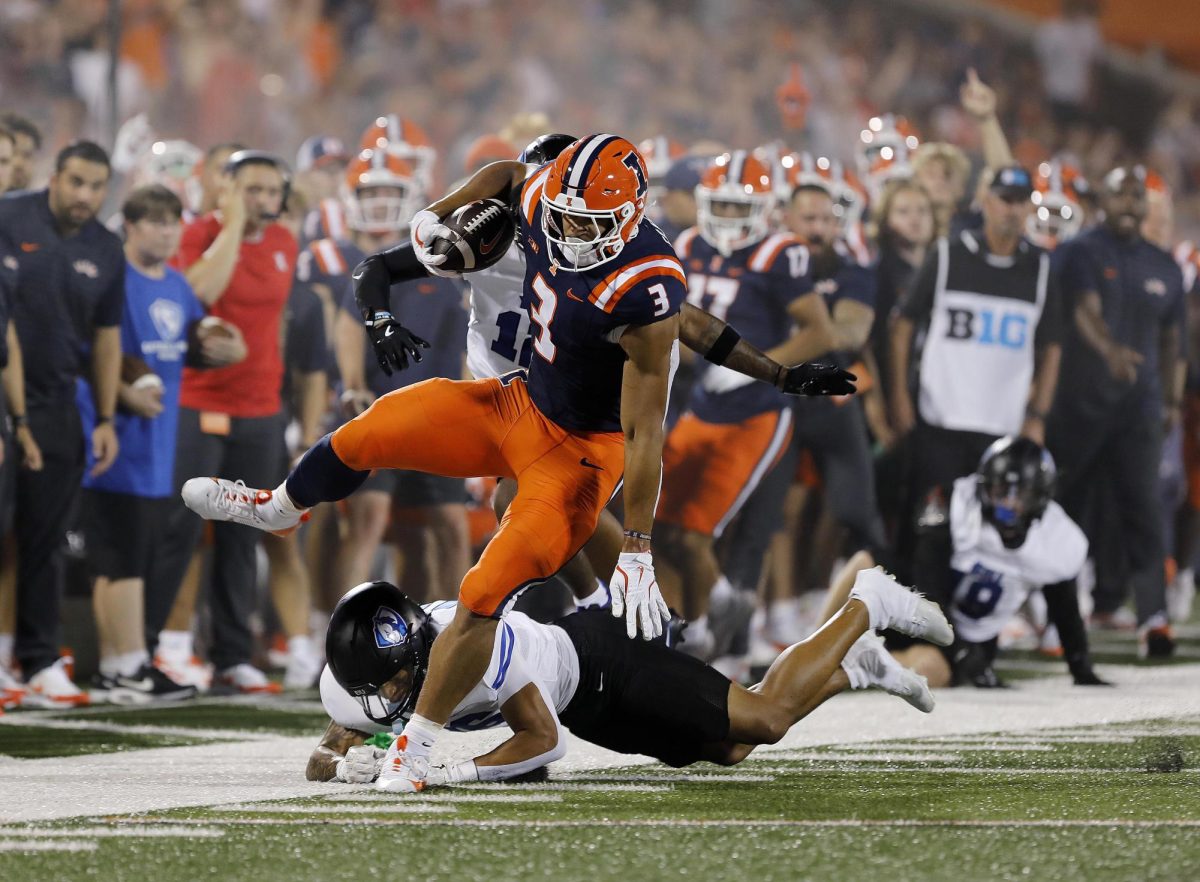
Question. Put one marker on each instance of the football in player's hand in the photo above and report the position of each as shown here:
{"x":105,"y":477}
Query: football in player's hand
{"x":136,"y":373}
{"x":483,"y":230}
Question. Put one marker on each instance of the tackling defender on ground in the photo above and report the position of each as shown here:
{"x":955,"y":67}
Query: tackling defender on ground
{"x":583,"y":674}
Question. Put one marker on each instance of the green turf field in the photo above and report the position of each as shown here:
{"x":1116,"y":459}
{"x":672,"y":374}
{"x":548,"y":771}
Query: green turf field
{"x":1041,"y":781}
{"x":1074,"y":803}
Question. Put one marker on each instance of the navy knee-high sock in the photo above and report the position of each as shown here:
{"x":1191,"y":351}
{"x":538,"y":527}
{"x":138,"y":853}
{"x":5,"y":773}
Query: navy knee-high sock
{"x":321,"y":476}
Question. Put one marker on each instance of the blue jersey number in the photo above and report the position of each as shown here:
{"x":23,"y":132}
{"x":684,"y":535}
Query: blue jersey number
{"x":505,"y":345}
{"x":982,"y":593}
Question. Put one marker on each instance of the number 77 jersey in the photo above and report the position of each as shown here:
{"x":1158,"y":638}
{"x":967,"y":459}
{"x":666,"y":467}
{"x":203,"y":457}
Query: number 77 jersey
{"x":577,"y":316}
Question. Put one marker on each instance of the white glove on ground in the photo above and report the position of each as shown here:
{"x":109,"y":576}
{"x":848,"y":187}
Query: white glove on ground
{"x":360,"y":765}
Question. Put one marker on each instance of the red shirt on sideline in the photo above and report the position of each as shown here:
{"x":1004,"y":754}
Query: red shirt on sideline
{"x":254,"y":301}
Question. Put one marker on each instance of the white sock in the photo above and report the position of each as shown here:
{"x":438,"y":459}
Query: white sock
{"x":128,"y":663}
{"x":177,"y":644}
{"x":721,"y":589}
{"x":697,"y":629}
{"x":599,"y":597}
{"x":6,"y":650}
{"x":422,"y":734}
{"x":281,"y":503}
{"x":109,"y":666}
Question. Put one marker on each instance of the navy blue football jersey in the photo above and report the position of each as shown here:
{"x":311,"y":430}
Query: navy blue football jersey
{"x":578,"y":317}
{"x":751,"y":290}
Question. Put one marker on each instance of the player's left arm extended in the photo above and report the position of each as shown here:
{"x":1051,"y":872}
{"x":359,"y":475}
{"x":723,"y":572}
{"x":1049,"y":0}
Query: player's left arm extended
{"x":719,"y":343}
{"x":644,"y":388}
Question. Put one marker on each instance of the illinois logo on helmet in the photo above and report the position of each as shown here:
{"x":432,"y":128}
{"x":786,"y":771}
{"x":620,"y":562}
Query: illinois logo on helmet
{"x":405,"y":139}
{"x":380,"y":192}
{"x":734,"y":201}
{"x":593,"y":201}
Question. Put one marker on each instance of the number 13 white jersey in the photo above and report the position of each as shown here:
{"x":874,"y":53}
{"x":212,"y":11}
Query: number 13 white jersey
{"x":498,"y":332}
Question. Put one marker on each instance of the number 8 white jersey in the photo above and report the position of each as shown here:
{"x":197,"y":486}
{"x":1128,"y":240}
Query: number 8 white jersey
{"x":993,"y":581}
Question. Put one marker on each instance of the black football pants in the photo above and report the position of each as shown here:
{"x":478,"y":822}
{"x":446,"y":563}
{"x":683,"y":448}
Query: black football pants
{"x":44,"y":503}
{"x":251,"y":451}
{"x":1123,"y":448}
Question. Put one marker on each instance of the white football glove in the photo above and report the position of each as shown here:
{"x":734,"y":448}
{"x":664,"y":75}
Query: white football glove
{"x":423,"y":229}
{"x":718,"y":379}
{"x":360,"y":765}
{"x":635,"y":595}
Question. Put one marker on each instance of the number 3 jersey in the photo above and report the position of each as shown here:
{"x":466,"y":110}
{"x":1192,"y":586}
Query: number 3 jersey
{"x":577,"y":318}
{"x":524,"y":652}
{"x":751,"y":290}
{"x":991,"y":581}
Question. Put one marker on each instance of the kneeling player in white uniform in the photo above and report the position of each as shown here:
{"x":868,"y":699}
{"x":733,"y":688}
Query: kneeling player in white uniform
{"x":583,"y":674}
{"x":983,"y":545}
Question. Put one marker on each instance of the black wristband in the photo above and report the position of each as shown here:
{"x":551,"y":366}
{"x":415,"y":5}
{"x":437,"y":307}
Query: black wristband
{"x":378,"y":316}
{"x":724,"y":344}
{"x":101,"y":420}
{"x":634,"y":534}
{"x":18,"y":420}
{"x":1032,"y":412}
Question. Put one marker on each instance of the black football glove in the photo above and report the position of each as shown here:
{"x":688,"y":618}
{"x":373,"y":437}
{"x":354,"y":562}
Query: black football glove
{"x":394,"y":344}
{"x":814,"y":378}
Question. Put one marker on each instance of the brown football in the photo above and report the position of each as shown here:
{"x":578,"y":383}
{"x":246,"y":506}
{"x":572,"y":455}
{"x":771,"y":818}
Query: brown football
{"x":483,"y":230}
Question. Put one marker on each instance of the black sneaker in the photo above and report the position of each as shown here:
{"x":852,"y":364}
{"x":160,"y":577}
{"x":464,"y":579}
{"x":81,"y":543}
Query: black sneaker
{"x":147,"y":685}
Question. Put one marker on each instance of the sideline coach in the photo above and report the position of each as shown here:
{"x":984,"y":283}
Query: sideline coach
{"x":68,"y":301}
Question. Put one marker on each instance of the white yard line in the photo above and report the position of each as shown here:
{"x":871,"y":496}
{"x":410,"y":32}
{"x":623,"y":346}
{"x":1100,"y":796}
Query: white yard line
{"x":1050,"y":823}
{"x":259,"y":768}
{"x":30,"y":845}
{"x":132,"y":831}
{"x":371,"y":798}
{"x":124,"y":729}
{"x":401,"y":806}
{"x":866,"y":757}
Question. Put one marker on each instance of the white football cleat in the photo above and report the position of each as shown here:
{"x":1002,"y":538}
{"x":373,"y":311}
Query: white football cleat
{"x":868,"y":663}
{"x":184,"y":669}
{"x":216,"y":499}
{"x":402,"y":772}
{"x":892,"y":605}
{"x":52,"y":688}
{"x":11,"y":689}
{"x":244,"y":679}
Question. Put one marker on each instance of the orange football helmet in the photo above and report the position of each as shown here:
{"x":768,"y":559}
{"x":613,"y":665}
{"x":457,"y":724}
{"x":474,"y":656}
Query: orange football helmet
{"x":1059,"y":190}
{"x":381,"y":193}
{"x":883,"y":149}
{"x":405,"y":139}
{"x":734,"y":201}
{"x":848,"y":193}
{"x":593,"y":201}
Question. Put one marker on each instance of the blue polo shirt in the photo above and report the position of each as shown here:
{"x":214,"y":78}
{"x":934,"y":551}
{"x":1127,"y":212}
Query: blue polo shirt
{"x":64,"y":289}
{"x":1141,"y":293}
{"x":158,"y":313}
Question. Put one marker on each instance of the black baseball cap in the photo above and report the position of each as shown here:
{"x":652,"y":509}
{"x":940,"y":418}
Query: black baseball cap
{"x":1012,"y":180}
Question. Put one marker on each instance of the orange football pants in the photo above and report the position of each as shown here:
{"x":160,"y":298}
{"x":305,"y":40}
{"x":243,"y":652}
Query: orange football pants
{"x":491,"y":428}
{"x":710,"y":469}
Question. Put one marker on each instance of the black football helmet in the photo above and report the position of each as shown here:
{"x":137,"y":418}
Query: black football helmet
{"x":376,"y":633}
{"x":1015,"y":483}
{"x":545,"y":148}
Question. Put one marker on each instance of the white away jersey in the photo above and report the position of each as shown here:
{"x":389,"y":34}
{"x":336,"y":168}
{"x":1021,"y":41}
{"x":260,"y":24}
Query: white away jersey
{"x":525,"y":652}
{"x":993,"y":581}
{"x":498,"y":340}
